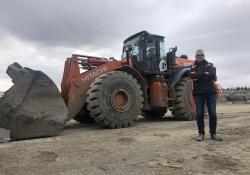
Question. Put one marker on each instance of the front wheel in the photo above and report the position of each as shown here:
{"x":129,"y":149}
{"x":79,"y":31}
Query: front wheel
{"x":115,"y":100}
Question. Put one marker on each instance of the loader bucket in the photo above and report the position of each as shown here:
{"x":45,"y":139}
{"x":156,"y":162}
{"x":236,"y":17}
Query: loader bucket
{"x":33,"y":106}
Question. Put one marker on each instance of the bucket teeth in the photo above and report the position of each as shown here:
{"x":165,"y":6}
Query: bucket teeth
{"x":33,"y":106}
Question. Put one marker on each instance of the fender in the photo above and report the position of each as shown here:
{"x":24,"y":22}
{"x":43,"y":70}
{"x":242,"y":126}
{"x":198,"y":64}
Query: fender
{"x":137,"y":75}
{"x":178,"y":76}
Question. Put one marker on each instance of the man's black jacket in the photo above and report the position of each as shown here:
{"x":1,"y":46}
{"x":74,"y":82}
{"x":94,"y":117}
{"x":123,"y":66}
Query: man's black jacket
{"x":203,"y":82}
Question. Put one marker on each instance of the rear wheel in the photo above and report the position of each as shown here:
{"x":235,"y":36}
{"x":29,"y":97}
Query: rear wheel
{"x":184,"y":104}
{"x":115,"y":100}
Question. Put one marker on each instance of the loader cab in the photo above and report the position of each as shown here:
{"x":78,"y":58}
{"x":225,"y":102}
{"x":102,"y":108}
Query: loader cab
{"x":147,"y":51}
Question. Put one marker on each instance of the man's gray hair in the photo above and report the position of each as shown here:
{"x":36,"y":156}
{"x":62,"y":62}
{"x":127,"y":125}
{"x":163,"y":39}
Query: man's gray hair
{"x":199,"y":51}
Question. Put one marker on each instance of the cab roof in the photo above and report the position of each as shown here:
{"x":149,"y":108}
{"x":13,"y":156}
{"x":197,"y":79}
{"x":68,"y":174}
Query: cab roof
{"x":142,"y":33}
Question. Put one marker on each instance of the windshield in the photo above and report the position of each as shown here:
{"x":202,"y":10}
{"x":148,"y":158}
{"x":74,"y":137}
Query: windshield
{"x":135,"y":53}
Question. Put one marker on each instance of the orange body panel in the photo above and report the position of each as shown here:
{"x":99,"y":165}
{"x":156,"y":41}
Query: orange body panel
{"x":183,"y":62}
{"x":158,"y":94}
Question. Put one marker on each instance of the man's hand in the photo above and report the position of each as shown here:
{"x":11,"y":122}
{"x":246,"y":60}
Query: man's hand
{"x":218,"y":89}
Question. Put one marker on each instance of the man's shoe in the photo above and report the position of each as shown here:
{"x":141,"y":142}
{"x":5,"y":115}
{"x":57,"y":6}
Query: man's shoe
{"x":200,"y":138}
{"x":216,"y":138}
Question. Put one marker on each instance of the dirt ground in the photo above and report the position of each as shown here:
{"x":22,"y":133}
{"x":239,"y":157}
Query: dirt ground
{"x":151,"y":147}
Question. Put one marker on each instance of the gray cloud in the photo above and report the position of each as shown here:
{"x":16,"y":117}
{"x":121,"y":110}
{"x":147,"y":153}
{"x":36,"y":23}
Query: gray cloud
{"x":76,"y":22}
{"x":41,"y":34}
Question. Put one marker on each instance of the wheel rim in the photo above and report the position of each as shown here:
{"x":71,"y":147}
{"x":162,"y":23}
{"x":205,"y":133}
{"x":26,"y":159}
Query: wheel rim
{"x":121,"y":100}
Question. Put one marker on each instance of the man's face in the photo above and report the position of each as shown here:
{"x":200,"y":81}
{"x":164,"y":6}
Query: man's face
{"x":199,"y":56}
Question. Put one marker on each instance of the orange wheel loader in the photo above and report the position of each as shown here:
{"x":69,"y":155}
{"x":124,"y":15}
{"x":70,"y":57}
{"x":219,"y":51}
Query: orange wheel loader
{"x":146,"y":81}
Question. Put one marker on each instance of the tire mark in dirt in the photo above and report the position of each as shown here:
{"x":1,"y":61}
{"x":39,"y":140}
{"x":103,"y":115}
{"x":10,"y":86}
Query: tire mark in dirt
{"x":46,"y":156}
{"x":218,"y":162}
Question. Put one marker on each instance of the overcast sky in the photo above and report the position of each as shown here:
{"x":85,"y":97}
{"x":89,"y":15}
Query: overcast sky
{"x":42,"y":34}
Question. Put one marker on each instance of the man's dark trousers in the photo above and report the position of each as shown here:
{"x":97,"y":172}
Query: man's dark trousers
{"x":210,"y":100}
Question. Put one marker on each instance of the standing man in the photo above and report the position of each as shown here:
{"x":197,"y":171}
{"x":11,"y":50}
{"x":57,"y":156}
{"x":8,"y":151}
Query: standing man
{"x":204,"y":91}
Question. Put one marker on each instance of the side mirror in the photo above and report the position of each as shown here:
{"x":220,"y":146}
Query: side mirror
{"x":128,"y":48}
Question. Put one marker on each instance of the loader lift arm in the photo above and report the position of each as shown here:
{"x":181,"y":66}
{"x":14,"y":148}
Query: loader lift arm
{"x":75,"y":83}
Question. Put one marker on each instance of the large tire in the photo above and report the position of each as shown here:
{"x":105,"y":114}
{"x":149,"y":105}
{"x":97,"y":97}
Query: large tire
{"x":115,"y":100}
{"x":155,"y":113}
{"x":83,"y":116}
{"x":184,"y":104}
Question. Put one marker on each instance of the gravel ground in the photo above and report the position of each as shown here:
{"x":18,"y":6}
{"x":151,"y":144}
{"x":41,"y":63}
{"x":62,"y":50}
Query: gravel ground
{"x":151,"y":147}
